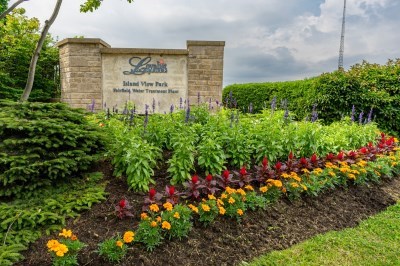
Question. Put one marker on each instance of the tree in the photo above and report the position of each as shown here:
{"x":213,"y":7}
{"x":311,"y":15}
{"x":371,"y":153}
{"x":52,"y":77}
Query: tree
{"x":18,"y":37}
{"x":4,"y":11}
{"x":91,"y":5}
{"x":35,"y":57}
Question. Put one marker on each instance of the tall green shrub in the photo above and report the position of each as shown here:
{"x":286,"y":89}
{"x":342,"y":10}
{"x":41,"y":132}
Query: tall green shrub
{"x":43,"y":143}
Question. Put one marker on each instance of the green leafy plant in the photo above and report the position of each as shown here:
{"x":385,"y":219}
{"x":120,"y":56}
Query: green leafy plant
{"x":113,"y":249}
{"x":208,"y":211}
{"x":180,"y":220}
{"x":149,"y":233}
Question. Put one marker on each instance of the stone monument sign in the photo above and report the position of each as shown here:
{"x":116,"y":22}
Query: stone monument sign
{"x":93,"y":73}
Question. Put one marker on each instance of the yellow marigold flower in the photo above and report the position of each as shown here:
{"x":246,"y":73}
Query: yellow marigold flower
{"x":240,"y":212}
{"x":129,"y":236}
{"x":305,"y":170}
{"x":158,"y":219}
{"x":332,"y":174}
{"x":278,"y":183}
{"x":355,"y":172}
{"x":61,"y":250}
{"x":241,"y":192}
{"x":224,"y":196}
{"x":351,"y":176}
{"x":304,"y":187}
{"x":220,"y":202}
{"x":211,"y":197}
{"x":392,"y":158}
{"x":285,"y":175}
{"x":205,"y":207}
{"x":176,"y":215}
{"x":229,"y":190}
{"x":153,"y":224}
{"x":144,"y":216}
{"x":295,"y":177}
{"x":317,"y":171}
{"x":231,"y":200}
{"x":294,"y":185}
{"x":249,"y":187}
{"x":343,"y":164}
{"x":65,"y":233}
{"x":168,"y":206}
{"x":343,"y":170}
{"x":395,"y":140}
{"x":394,"y":164}
{"x":119,"y":243}
{"x":154,"y":208}
{"x":193,"y":208}
{"x":362,"y":163}
{"x":377,"y":173}
{"x":166,"y":225}
{"x":329,"y":165}
{"x":264,"y":189}
{"x":221,"y":210}
{"x":363,"y":171}
{"x":53,"y":244}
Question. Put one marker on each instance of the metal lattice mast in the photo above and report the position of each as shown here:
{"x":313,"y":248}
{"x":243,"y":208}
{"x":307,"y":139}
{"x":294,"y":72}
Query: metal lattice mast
{"x":341,"y":50}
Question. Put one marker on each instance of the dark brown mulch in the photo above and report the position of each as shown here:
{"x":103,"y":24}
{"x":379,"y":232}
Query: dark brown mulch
{"x":224,"y":242}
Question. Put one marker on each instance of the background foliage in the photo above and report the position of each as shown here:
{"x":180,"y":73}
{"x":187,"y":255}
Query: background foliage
{"x":366,"y":86}
{"x":18,"y":38}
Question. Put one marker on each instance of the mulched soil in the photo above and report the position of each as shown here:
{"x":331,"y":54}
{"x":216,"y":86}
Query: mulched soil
{"x":224,"y":242}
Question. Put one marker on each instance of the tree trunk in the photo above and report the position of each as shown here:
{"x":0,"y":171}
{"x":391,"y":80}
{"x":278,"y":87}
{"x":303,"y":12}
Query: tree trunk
{"x":35,"y":56}
{"x":11,"y":8}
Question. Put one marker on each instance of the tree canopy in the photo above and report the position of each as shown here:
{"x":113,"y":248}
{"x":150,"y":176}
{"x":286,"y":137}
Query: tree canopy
{"x":92,"y":5}
{"x":18,"y":38}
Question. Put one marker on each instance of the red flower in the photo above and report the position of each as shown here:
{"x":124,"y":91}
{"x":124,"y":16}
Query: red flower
{"x":195,"y":179}
{"x":352,"y":154}
{"x":265,"y":162}
{"x":303,"y":161}
{"x":225,"y":174}
{"x":382,"y":135}
{"x":209,"y":178}
{"x":243,"y":170}
{"x":363,"y":150}
{"x":278,"y":166}
{"x":171,"y":190}
{"x":390,"y":141}
{"x":370,"y":144}
{"x":330,"y":156}
{"x":122,"y":203}
{"x":152,"y":193}
{"x":340,"y":156}
{"x":291,"y":156}
{"x":314,"y":158}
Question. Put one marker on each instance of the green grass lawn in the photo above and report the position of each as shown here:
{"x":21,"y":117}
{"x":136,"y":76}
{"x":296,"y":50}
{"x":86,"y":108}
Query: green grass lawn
{"x":376,"y":241}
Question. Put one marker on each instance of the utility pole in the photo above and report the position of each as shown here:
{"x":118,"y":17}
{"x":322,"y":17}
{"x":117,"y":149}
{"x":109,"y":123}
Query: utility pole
{"x":341,"y":50}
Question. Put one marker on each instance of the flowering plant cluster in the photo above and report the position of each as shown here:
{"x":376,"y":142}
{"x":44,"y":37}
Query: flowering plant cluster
{"x":115,"y":249}
{"x":65,"y":250}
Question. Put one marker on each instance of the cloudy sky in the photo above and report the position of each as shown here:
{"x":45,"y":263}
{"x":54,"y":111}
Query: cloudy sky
{"x":266,"y":40}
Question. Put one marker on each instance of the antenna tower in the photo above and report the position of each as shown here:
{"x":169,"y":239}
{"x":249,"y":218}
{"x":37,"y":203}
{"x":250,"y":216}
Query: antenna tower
{"x":341,"y":50}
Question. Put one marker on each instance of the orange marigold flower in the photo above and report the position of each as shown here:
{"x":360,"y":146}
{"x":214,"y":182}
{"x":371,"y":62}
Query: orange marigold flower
{"x":53,"y":244}
{"x":240,"y":212}
{"x":176,"y":215}
{"x":284,"y":190}
{"x":158,"y":219}
{"x":264,"y":189}
{"x":351,"y":176}
{"x":294,"y":185}
{"x":119,"y":243}
{"x":101,"y":125}
{"x":220,"y":202}
{"x":205,"y":207}
{"x":193,"y":208}
{"x":224,"y":196}
{"x":153,"y":224}
{"x":65,"y":233}
{"x":74,"y":237}
{"x":168,"y":206}
{"x":278,"y":183}
{"x":221,"y":210}
{"x":229,"y":190}
{"x":249,"y":187}
{"x":166,"y":225}
{"x":241,"y":192}
{"x":144,"y":216}
{"x":129,"y":236}
{"x":305,"y":170}
{"x":154,"y":208}
{"x":231,"y":200}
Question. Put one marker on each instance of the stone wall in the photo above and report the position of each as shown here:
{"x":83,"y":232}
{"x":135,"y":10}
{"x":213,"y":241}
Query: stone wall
{"x":81,"y":72}
{"x":82,"y":69}
{"x":205,"y":70}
